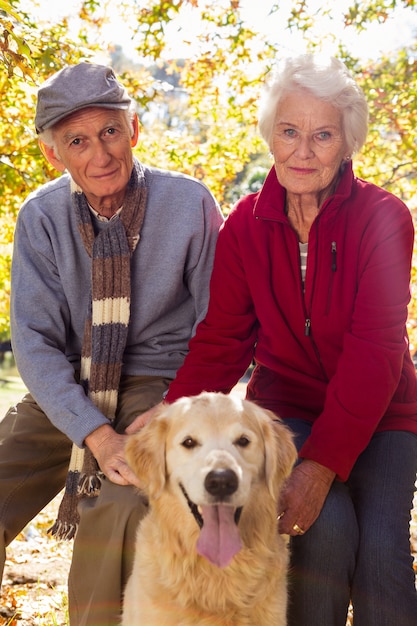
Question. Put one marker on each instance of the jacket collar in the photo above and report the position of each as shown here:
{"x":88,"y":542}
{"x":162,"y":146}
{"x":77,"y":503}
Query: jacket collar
{"x":270,"y":202}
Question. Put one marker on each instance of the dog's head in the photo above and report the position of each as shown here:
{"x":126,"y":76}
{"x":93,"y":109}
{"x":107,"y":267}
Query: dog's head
{"x":212,"y":450}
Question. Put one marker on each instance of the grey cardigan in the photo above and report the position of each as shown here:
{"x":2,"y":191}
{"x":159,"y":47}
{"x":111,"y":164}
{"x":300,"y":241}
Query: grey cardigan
{"x":51,"y":270}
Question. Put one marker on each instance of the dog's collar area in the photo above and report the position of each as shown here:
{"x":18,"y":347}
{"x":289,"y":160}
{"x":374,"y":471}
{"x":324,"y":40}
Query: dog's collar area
{"x":196,"y":513}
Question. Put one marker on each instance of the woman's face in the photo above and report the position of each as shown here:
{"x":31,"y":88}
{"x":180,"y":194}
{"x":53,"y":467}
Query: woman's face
{"x":308,"y":144}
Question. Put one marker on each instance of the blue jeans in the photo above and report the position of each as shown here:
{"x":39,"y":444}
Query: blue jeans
{"x":358,"y":549}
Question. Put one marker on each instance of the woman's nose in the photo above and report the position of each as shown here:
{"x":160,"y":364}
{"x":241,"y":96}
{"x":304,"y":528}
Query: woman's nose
{"x":304,"y":147}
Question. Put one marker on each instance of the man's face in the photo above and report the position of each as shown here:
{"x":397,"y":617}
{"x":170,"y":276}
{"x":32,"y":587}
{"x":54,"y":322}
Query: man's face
{"x":95,"y":146}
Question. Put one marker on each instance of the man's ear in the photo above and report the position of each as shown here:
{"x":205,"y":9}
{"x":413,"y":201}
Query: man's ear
{"x":135,"y":135}
{"x":49,"y":153}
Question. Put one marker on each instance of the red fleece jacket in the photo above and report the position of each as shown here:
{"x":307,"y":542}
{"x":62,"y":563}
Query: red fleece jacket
{"x":336,"y":354}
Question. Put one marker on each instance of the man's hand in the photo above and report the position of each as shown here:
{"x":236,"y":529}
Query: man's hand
{"x":303,"y":497}
{"x":107,"y":446}
{"x":140,"y":421}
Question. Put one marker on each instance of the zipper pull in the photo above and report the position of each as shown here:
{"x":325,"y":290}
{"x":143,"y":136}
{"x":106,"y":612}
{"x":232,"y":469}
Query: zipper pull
{"x":334,"y":255}
{"x":307,"y":327}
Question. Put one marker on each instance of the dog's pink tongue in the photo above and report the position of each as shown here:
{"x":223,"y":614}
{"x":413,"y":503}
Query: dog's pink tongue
{"x":219,"y":539}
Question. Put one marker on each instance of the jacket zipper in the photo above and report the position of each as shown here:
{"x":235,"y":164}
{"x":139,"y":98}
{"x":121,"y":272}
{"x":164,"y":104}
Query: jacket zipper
{"x":334,"y":256}
{"x":307,"y":322}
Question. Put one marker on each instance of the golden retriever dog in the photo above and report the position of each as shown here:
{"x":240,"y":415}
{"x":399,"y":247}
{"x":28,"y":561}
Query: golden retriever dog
{"x":208,"y":552}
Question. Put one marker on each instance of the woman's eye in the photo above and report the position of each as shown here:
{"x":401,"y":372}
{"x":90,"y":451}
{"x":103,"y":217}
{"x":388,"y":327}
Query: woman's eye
{"x":290,"y":132}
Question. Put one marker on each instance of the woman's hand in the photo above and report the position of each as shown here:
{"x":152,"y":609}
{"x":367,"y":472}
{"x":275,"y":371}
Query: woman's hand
{"x":303,"y":497}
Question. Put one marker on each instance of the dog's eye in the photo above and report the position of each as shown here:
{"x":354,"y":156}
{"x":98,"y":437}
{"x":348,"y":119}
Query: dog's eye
{"x":189,"y":442}
{"x":242,"y":442}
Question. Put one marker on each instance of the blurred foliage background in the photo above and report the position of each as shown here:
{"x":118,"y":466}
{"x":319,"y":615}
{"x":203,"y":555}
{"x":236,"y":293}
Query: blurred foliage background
{"x":196,"y":72}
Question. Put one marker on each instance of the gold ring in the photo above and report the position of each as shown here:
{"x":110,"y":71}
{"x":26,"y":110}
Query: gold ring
{"x":298,"y":530}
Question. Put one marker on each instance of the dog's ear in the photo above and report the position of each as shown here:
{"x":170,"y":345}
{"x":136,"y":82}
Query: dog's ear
{"x":280,"y":451}
{"x":145,"y":453}
{"x":284,"y":452}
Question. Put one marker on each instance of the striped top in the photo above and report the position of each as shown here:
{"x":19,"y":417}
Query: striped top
{"x":303,"y":261}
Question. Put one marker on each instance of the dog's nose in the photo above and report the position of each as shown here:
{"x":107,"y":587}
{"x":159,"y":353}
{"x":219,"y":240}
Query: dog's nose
{"x":221,"y":482}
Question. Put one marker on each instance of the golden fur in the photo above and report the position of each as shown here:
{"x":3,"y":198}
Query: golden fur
{"x":171,"y":584}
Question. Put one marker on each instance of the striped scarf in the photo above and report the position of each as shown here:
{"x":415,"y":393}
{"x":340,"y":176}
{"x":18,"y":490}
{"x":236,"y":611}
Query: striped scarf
{"x":105,"y":331}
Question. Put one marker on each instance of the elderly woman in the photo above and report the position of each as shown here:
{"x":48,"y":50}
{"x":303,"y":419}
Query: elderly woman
{"x":311,"y":279}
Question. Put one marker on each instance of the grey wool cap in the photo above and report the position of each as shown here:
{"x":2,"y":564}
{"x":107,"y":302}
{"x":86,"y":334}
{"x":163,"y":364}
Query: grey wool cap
{"x":76,"y":87}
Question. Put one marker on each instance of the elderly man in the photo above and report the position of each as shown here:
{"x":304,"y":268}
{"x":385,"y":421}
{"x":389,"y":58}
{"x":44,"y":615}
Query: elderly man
{"x":110,"y":277}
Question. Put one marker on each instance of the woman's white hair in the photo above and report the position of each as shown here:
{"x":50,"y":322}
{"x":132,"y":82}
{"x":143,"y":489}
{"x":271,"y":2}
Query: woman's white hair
{"x":327,"y":79}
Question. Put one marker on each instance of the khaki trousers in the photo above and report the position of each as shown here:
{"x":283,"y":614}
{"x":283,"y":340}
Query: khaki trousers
{"x":34,"y":458}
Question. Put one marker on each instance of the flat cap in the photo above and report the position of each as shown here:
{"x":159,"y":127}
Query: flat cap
{"x":76,"y":87}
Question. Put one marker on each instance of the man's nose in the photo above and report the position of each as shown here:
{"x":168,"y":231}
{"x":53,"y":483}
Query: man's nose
{"x":101,"y":154}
